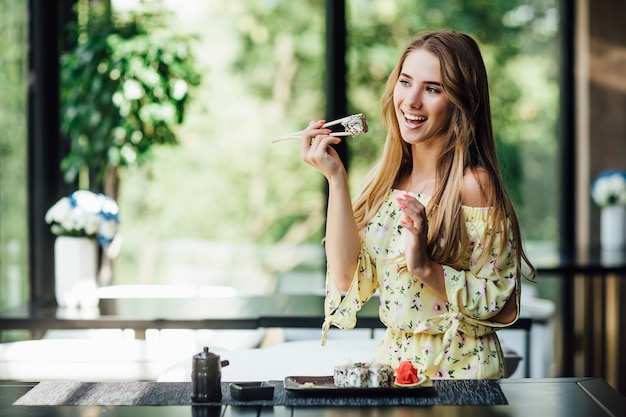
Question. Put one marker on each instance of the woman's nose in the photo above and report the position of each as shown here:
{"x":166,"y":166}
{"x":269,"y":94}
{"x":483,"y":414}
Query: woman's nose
{"x":413,"y":100}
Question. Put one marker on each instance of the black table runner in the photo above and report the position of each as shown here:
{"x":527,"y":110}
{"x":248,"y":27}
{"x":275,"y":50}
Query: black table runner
{"x":443,"y":392}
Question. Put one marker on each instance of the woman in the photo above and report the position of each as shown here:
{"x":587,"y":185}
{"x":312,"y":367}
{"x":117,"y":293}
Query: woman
{"x":433,"y":230}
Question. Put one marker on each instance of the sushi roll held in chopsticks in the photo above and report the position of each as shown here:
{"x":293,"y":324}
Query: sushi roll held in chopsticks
{"x":353,"y":125}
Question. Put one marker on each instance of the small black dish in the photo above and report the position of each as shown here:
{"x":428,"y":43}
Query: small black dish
{"x":251,"y":391}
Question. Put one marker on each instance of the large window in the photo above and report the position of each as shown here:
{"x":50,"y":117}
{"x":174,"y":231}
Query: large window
{"x":226,"y":207}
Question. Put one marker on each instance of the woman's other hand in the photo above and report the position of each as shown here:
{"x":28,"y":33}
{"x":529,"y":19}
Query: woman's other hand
{"x":418,"y":261}
{"x":416,"y":225}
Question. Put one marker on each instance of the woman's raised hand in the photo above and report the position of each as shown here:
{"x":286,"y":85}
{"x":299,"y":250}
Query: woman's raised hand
{"x":316,"y":151}
{"x":418,"y":261}
{"x":416,"y":225}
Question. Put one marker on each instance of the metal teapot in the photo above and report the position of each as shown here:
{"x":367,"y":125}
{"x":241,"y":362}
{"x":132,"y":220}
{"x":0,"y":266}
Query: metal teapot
{"x":206,"y":377}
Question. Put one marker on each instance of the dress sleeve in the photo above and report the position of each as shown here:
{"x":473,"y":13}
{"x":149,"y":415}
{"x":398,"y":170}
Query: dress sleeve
{"x":340,"y":309}
{"x":481,"y":292}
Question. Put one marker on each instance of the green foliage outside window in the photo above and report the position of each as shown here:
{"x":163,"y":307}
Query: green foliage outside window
{"x":14,"y":249}
{"x":124,"y":85}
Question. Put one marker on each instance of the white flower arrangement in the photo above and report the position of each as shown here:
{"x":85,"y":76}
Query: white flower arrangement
{"x":609,"y":188}
{"x":85,"y":214}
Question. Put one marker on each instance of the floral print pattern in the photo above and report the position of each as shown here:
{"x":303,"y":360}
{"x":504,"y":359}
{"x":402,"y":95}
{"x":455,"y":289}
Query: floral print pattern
{"x":453,"y":338}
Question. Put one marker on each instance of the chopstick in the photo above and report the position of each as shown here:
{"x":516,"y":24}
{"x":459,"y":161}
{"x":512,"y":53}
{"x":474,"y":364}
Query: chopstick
{"x":282,"y":138}
{"x":296,"y":135}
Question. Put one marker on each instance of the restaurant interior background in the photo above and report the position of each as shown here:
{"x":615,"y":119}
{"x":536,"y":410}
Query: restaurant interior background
{"x":226,"y":208}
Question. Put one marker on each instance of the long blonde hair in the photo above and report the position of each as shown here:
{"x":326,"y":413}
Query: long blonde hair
{"x":469,"y":145}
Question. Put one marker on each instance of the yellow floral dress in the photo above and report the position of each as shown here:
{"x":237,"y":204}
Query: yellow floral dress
{"x":444,"y":339}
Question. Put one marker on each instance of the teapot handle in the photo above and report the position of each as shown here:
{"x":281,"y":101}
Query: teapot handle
{"x":225,"y":363}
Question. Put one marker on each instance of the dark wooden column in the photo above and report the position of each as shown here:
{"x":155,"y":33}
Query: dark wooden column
{"x":567,"y":218}
{"x":336,"y":69}
{"x":45,"y":186}
{"x":336,"y":85}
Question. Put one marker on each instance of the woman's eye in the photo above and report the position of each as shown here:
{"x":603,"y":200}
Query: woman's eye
{"x":404,"y":82}
{"x":432,"y":89}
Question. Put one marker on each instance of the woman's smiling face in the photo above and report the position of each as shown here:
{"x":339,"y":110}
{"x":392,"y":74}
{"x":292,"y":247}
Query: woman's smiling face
{"x":421,"y":104}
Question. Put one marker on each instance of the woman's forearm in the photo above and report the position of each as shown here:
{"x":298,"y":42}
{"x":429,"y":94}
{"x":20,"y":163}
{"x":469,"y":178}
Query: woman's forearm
{"x":342,"y":237}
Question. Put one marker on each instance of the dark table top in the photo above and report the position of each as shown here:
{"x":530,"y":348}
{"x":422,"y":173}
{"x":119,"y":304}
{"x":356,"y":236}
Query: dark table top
{"x":571,"y":397}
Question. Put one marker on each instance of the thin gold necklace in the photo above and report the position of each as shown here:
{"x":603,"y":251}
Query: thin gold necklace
{"x":426,"y":185}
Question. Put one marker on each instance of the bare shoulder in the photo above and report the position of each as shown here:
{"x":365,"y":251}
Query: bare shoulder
{"x":476,"y":188}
